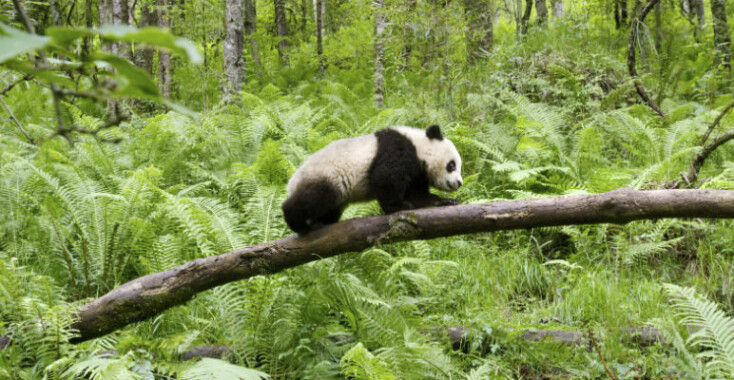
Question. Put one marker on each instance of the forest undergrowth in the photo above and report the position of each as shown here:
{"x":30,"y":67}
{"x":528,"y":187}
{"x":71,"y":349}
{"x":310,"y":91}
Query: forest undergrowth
{"x":552,"y":113}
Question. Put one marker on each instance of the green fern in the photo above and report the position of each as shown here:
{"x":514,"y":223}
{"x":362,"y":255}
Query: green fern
{"x":713,"y":330}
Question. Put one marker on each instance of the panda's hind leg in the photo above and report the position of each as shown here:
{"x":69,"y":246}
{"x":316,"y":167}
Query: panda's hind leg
{"x":312,"y":206}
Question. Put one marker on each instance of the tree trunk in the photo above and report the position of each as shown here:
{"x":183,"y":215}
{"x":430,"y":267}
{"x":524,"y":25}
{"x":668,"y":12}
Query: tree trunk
{"x":407,"y":34}
{"x":150,"y":295}
{"x":304,"y":15}
{"x":120,"y":16}
{"x":722,"y":41}
{"x":379,"y":75}
{"x":700,"y":15}
{"x":164,"y":57}
{"x":319,"y":44}
{"x":105,"y":16}
{"x":541,"y":10}
{"x":557,"y":8}
{"x":479,"y":29}
{"x":251,"y":29}
{"x":55,"y":15}
{"x":281,"y":28}
{"x":620,"y":13}
{"x":89,"y":23}
{"x":631,"y":63}
{"x":525,"y":20}
{"x":234,"y":44}
{"x":144,"y":55}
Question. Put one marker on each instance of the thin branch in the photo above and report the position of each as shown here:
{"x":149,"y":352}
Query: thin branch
{"x":23,"y":17}
{"x":691,"y":176}
{"x":66,"y":131}
{"x":150,"y":295}
{"x":595,"y":346}
{"x":716,"y":122}
{"x":631,"y":58}
{"x":9,"y":87}
{"x":15,"y":119}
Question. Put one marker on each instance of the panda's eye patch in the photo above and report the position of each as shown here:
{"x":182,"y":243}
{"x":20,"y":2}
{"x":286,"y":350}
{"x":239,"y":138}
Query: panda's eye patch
{"x":451,"y":166}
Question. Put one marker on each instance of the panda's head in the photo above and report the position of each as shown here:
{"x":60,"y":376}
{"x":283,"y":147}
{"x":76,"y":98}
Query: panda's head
{"x":442,"y":160}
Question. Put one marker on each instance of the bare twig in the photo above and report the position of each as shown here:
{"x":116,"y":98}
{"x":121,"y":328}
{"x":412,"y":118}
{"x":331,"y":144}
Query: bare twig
{"x":631,"y":58}
{"x":716,"y":122}
{"x":66,"y":131}
{"x":12,"y":85}
{"x":15,"y":119}
{"x":595,"y":346}
{"x":54,"y":90}
{"x":691,"y":176}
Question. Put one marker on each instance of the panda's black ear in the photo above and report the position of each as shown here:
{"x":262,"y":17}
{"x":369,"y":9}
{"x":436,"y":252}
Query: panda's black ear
{"x":434,"y":132}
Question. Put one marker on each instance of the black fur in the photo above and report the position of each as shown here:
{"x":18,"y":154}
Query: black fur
{"x":312,"y":207}
{"x":434,"y":132}
{"x":397,"y":177}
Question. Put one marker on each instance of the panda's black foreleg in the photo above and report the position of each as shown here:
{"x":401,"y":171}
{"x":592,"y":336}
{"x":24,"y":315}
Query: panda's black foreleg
{"x":418,"y":195}
{"x":423,"y":200}
{"x":391,"y":196}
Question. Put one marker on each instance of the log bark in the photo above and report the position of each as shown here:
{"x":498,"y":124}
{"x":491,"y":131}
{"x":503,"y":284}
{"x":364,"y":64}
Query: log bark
{"x":631,"y":58}
{"x":458,"y":337}
{"x":148,"y":296}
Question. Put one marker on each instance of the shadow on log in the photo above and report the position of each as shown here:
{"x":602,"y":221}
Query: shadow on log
{"x":148,"y":296}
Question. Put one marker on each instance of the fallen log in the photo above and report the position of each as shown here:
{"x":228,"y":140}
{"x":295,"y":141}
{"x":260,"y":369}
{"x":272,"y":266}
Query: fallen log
{"x":149,"y":295}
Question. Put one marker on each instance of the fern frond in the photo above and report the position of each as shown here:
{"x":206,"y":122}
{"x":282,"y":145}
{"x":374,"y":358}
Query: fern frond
{"x":715,"y":330}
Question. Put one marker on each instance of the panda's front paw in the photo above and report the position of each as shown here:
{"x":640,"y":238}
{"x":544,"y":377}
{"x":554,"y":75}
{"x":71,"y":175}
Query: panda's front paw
{"x":407,"y":205}
{"x":447,"y":202}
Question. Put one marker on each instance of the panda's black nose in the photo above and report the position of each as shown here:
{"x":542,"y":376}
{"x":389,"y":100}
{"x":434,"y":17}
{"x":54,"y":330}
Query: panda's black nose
{"x":460,"y":182}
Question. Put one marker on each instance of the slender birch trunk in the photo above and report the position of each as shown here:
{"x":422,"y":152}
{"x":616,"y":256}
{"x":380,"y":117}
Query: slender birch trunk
{"x":379,"y":53}
{"x":164,"y":57}
{"x":479,"y":28}
{"x":281,"y":28}
{"x":722,"y":41}
{"x":233,"y":60}
{"x":251,"y":29}
{"x":541,"y":10}
{"x":319,"y":36}
{"x":557,"y":8}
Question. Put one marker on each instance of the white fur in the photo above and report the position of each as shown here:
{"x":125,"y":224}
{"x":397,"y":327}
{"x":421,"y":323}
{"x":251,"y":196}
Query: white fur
{"x":345,"y":164}
{"x":436,"y":154}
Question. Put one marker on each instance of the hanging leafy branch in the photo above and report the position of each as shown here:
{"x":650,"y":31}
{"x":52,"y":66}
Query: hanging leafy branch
{"x":96,"y":76}
{"x":149,"y":295}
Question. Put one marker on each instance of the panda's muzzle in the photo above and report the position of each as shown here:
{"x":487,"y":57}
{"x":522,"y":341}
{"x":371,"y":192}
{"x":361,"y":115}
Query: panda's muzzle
{"x":455,"y":185}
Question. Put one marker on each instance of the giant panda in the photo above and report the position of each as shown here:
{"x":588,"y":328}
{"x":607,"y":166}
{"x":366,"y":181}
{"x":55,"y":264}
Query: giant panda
{"x":396,"y":166}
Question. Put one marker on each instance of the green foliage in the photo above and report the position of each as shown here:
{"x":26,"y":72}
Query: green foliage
{"x":713,"y":331}
{"x":552,"y":112}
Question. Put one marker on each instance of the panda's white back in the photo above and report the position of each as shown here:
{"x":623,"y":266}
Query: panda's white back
{"x":343,"y":163}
